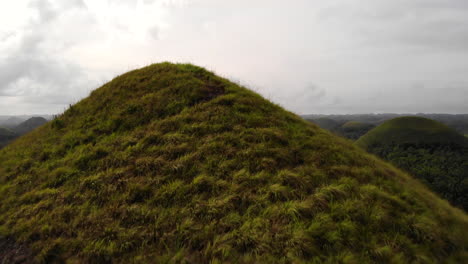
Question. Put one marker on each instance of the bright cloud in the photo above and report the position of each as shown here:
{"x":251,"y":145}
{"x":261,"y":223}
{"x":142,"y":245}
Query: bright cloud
{"x":340,"y":56}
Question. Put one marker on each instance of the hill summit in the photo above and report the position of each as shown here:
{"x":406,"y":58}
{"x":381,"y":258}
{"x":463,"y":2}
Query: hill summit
{"x":170,"y":163}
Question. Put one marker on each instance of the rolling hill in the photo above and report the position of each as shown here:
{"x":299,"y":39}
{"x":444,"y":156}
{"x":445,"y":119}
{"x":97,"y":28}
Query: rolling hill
{"x":11,"y":122}
{"x":411,"y":130}
{"x":354,"y":129}
{"x":7,"y":135}
{"x":28,"y":125}
{"x":327,"y":123}
{"x":458,"y":122}
{"x":348,"y":129}
{"x":172,"y":164}
{"x":427,"y":149}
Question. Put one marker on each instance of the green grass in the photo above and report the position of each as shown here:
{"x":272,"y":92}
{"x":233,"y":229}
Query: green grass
{"x":172,"y":164}
{"x":411,"y":130}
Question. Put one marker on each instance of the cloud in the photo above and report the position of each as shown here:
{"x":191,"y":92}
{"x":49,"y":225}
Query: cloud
{"x":336,"y":56}
{"x":441,"y":24}
{"x":126,"y":3}
{"x":33,"y":71}
{"x":154,"y":32}
{"x":313,"y":93}
{"x":6,"y":36}
{"x":44,"y":9}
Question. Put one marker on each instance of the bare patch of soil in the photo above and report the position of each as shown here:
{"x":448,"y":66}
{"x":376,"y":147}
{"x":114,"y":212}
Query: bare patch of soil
{"x":13,"y":253}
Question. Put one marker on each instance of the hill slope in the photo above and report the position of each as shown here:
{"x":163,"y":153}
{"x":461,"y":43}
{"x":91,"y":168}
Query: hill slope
{"x":427,"y":149}
{"x":171,"y":163}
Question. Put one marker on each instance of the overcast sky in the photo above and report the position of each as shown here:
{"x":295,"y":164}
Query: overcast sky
{"x":310,"y":56}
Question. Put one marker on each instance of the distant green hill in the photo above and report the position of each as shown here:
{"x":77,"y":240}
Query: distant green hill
{"x":354,"y":129}
{"x":28,"y":125}
{"x":428,"y":149}
{"x":326,"y":123}
{"x":11,"y":122}
{"x":459,"y":122}
{"x":353,"y":124}
{"x":173,"y":164}
{"x":348,"y":129}
{"x":9,"y":134}
{"x":411,"y":130}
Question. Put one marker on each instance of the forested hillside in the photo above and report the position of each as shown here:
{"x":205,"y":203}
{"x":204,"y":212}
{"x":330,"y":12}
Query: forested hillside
{"x":429,"y":150}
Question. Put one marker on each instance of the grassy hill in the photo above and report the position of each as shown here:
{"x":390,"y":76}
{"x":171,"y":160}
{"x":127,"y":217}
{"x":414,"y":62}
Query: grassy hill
{"x":354,"y":129}
{"x":436,"y":154}
{"x":7,"y":135}
{"x":348,"y":129}
{"x":411,"y":130}
{"x":172,"y":164}
{"x":458,"y":122}
{"x":353,"y":125}
{"x":28,"y":125}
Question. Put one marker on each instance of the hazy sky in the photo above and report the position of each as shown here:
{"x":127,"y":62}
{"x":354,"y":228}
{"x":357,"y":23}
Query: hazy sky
{"x":310,"y":56}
